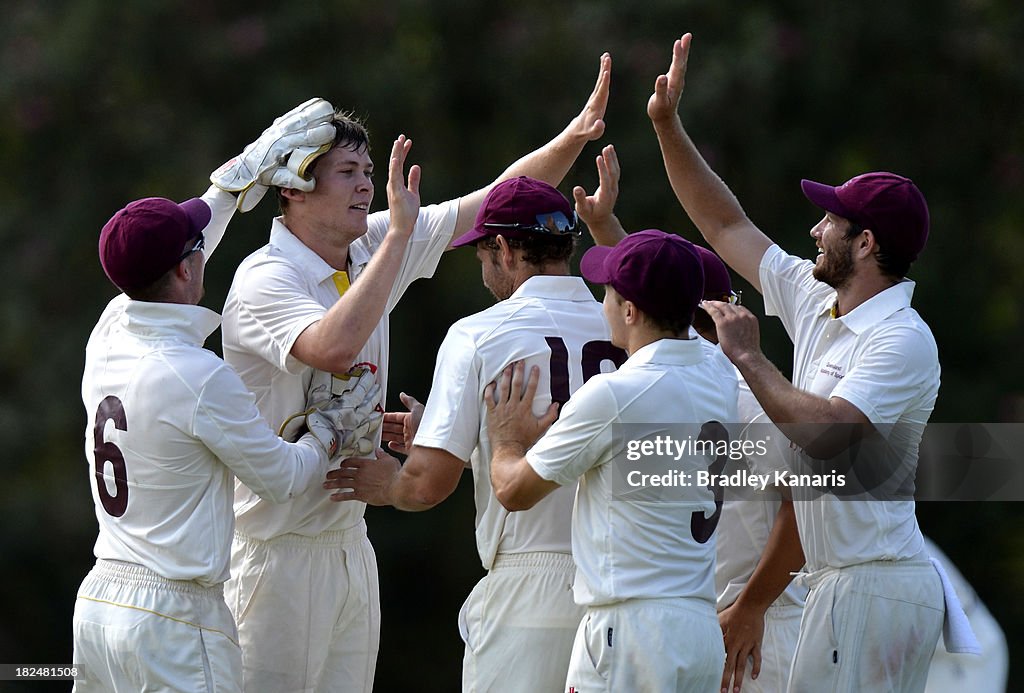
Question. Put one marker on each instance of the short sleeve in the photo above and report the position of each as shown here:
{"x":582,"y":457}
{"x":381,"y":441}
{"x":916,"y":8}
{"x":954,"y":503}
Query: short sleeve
{"x":580,"y":439}
{"x":451,"y":418}
{"x":790,"y":289}
{"x":897,"y":372}
{"x":431,"y":236}
{"x":274,"y":307}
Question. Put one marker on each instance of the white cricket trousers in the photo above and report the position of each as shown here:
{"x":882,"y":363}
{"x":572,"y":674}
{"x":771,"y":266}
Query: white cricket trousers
{"x":137,"y":631}
{"x":308,"y":611}
{"x":869,"y":627}
{"x":518,"y":624}
{"x":669,"y":645}
{"x":781,"y":631}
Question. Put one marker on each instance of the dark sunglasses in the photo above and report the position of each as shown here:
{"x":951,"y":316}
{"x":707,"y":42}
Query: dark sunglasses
{"x":555,"y":223}
{"x":200,"y":244}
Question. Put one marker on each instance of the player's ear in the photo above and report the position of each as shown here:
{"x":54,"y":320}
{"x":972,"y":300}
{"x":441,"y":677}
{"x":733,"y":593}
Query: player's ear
{"x":630,"y":313}
{"x":293,"y":194}
{"x":505,"y":253}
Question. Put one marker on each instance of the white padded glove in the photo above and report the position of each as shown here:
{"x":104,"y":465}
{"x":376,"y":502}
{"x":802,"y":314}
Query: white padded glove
{"x":281,"y":155}
{"x":344,"y":423}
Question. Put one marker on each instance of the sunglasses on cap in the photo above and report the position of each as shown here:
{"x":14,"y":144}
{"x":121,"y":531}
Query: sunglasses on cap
{"x":733,"y":297}
{"x":199,"y":245}
{"x":555,"y":223}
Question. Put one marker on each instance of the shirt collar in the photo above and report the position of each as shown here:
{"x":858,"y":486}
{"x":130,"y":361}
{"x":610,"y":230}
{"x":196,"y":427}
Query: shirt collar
{"x":153,"y":320}
{"x":879,"y":307}
{"x":669,"y":352}
{"x":566,"y":288}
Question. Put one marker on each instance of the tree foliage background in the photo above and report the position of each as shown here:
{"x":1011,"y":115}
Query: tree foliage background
{"x":102,"y":103}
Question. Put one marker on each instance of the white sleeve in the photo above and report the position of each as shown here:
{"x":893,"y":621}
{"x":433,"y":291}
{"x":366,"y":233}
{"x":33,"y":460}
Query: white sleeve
{"x":431,"y":237}
{"x":451,"y":417}
{"x":230,"y":425}
{"x":222,"y":208}
{"x":789,"y":288}
{"x":897,"y":370}
{"x":274,"y":307}
{"x":582,"y":437}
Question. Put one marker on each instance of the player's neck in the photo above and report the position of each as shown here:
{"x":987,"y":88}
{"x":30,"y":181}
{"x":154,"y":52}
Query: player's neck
{"x":860,"y":289}
{"x":552,"y":269}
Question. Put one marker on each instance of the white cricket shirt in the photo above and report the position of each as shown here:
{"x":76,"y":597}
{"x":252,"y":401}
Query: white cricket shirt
{"x":279,"y":291}
{"x":170,"y":427}
{"x":630,"y":549}
{"x":882,"y":358}
{"x":550,"y":322}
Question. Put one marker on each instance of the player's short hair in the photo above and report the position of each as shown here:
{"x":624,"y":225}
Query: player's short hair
{"x":156,"y":291}
{"x":893,"y":266}
{"x":538,"y":249}
{"x":349,"y":132}
{"x":676,"y":324}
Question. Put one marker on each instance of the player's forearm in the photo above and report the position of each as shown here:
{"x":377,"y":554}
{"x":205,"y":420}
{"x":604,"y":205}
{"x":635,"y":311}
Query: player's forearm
{"x":222,"y":208}
{"x":551,"y":161}
{"x":821,"y":427}
{"x":782,"y":556}
{"x":345,"y":328}
{"x":507,"y":478}
{"x":414,"y":491}
{"x":606,"y":231}
{"x":710,"y":203}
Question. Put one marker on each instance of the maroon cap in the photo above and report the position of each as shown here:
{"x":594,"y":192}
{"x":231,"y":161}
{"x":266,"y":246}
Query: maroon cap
{"x":660,"y":272}
{"x":890,"y":206}
{"x":148,"y":237}
{"x":717,"y":283}
{"x":520,"y":207}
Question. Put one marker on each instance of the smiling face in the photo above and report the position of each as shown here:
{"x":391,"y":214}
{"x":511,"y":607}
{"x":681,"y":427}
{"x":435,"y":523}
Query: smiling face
{"x":343,"y":193}
{"x":834,"y":265}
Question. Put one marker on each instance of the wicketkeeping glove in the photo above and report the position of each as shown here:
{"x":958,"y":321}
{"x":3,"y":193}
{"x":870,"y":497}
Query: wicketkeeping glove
{"x":345,"y":424}
{"x":280,"y":156}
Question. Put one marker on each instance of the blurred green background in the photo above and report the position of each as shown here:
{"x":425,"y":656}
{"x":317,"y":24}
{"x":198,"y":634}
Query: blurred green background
{"x":102,"y":103}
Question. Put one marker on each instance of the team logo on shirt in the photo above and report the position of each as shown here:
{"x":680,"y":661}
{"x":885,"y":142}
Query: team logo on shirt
{"x":833,"y":370}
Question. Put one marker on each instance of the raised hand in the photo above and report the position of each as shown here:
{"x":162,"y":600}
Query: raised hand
{"x":403,"y":197}
{"x":589,"y":124}
{"x":598,"y":210}
{"x":668,"y":88}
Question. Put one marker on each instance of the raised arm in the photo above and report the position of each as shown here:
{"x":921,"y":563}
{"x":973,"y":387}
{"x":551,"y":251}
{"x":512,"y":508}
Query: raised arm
{"x":598,"y":210}
{"x":333,"y":342}
{"x":706,"y":198}
{"x":553,"y":160}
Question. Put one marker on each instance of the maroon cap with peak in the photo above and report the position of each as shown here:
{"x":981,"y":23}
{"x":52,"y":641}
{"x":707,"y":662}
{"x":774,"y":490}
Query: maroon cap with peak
{"x":890,"y":206}
{"x":660,"y":272}
{"x":717,"y":284}
{"x":148,"y":237}
{"x":520,"y":207}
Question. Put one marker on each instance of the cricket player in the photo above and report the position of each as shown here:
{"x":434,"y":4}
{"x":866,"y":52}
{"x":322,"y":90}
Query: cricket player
{"x":171,"y":427}
{"x":286,"y":333}
{"x":865,"y":367}
{"x":522,"y":610}
{"x":644,"y":562}
{"x":747,"y":524}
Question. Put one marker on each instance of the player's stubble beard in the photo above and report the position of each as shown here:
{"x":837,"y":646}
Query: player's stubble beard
{"x":497,"y":282}
{"x":836,"y":266}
